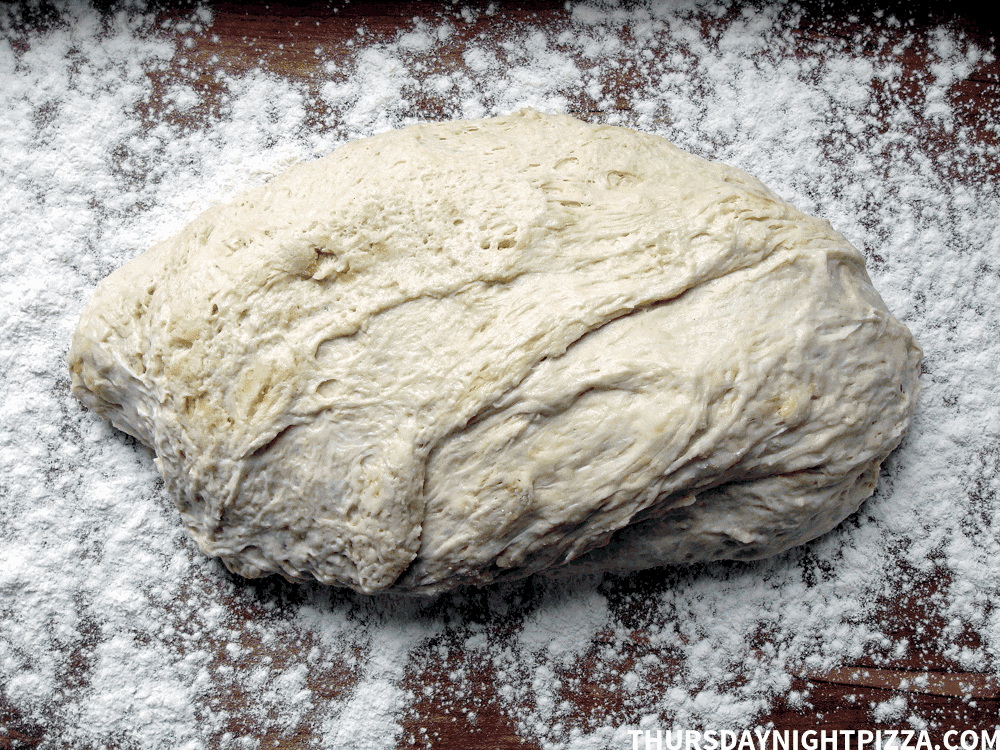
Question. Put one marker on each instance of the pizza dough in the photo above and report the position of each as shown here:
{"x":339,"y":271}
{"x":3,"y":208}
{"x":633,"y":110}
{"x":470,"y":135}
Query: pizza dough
{"x":469,"y":351}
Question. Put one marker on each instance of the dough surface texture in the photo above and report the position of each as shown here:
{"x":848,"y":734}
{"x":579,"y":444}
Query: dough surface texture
{"x":469,"y":351}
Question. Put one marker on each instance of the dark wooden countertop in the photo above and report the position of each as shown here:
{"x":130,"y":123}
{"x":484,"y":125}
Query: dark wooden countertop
{"x":282,"y":38}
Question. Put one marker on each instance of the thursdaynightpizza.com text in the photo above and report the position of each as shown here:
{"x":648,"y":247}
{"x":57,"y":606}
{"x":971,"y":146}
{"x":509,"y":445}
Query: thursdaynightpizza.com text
{"x":815,"y":739}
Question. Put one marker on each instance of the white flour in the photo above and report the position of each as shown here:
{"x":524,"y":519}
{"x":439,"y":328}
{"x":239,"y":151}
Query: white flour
{"x":115,"y":631}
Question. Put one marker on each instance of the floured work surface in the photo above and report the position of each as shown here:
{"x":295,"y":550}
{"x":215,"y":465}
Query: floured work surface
{"x":473,"y":350}
{"x":117,"y":632}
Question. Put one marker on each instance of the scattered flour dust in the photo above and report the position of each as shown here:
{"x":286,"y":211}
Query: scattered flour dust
{"x":114,"y":631}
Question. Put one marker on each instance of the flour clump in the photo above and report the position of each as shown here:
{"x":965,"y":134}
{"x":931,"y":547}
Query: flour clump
{"x":469,"y":351}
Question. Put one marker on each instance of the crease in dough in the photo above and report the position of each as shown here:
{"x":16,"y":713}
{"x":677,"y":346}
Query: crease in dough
{"x":469,"y":351}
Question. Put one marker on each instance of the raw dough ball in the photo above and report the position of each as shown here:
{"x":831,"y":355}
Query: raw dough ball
{"x":467,"y":351}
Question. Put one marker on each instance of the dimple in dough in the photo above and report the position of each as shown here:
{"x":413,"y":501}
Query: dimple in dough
{"x":469,"y":351}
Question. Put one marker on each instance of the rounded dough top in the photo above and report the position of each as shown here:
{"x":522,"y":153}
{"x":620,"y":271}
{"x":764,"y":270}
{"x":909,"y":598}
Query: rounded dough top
{"x":472,"y":350}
